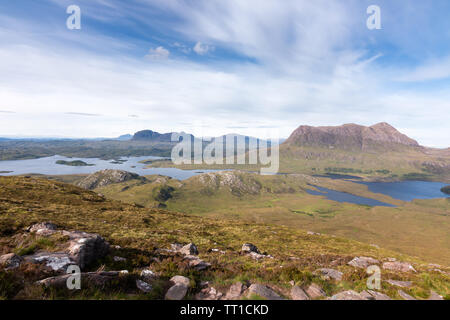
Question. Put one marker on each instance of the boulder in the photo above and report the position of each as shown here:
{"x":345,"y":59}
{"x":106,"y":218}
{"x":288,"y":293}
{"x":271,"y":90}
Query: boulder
{"x":181,"y":280}
{"x":374,"y":295}
{"x":85,"y":248}
{"x":209,"y":294}
{"x":398,"y":266}
{"x":347,"y":295}
{"x":330,"y":274}
{"x":57,"y":261}
{"x":401,"y":284}
{"x":143,"y":286}
{"x":148,"y":274}
{"x":176,"y":292}
{"x":263,"y":292}
{"x":435,"y":296}
{"x":248,"y":247}
{"x":44,"y":228}
{"x":298,"y":293}
{"x":98,"y":279}
{"x":314,"y":291}
{"x":10,"y":261}
{"x":235,"y":292}
{"x":189,"y":249}
{"x":197,"y":263}
{"x":363,"y":262}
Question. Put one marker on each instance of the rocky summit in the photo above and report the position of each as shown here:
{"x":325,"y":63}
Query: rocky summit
{"x":106,"y":177}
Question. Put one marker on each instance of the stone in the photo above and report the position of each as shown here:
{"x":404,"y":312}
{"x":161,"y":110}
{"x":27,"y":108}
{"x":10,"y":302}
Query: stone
{"x":435,"y":296}
{"x":85,"y":248}
{"x":311,"y":233}
{"x":298,"y":293}
{"x":98,"y":279}
{"x":189,"y":249}
{"x":10,"y":261}
{"x":44,"y":228}
{"x":405,"y":296}
{"x":181,"y":280}
{"x":347,"y":295}
{"x":235,"y":292}
{"x":148,"y":274}
{"x":263,"y":292}
{"x":248,"y":247}
{"x":176,"y":292}
{"x":143,"y":286}
{"x":363,"y":262}
{"x":119,"y":259}
{"x":401,"y":284}
{"x":176,"y":246}
{"x":208,"y":294}
{"x":314,"y":291}
{"x":330,"y":274}
{"x":197,"y":263}
{"x":374,"y":295}
{"x":57,"y":261}
{"x":398,"y":266}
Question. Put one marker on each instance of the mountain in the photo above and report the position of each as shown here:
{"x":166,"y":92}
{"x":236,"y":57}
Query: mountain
{"x":350,"y":136}
{"x":125,"y":137}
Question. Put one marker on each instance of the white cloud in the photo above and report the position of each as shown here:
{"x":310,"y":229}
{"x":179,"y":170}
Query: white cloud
{"x":202,"y":48}
{"x":159,"y":53}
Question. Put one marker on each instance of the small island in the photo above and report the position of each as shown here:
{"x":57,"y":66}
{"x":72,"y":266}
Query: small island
{"x":75,"y":163}
{"x":446,"y":189}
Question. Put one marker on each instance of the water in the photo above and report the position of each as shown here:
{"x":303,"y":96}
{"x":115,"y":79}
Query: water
{"x":48,"y":166}
{"x":346,"y":197}
{"x":407,"y":190}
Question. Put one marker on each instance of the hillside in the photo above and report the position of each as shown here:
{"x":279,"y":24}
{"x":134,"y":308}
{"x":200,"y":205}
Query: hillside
{"x":290,"y":263}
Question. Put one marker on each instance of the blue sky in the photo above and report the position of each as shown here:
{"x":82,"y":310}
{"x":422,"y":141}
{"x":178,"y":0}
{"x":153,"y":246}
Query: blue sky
{"x":213,"y":67}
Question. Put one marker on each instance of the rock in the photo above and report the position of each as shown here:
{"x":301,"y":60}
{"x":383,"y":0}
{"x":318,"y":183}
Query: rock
{"x":298,"y":293}
{"x":314,"y":291}
{"x":374,"y":295}
{"x":197,"y":263}
{"x":398,"y":266}
{"x":405,"y":296}
{"x":330,"y":274}
{"x":57,"y":261}
{"x":208,"y":294}
{"x":176,"y":246}
{"x":347,"y":295}
{"x":235,"y":292}
{"x":263,"y":292}
{"x":119,"y":259}
{"x":98,"y":279}
{"x":10,"y":261}
{"x":85,"y":248}
{"x":435,"y":296}
{"x":311,"y":233}
{"x":44,"y":228}
{"x":106,"y":177}
{"x":258,"y":256}
{"x":363,"y":262}
{"x":189,"y":249}
{"x":292,"y":283}
{"x":148,"y":274}
{"x":248,"y":247}
{"x":143,"y":286}
{"x":401,"y":284}
{"x":181,"y":280}
{"x":177,"y":292}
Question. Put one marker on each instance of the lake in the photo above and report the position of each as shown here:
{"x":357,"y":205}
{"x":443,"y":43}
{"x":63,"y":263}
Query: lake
{"x":48,"y":166}
{"x":346,"y":197}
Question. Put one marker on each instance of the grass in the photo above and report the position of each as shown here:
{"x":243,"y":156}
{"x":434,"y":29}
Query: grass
{"x":140,"y":231}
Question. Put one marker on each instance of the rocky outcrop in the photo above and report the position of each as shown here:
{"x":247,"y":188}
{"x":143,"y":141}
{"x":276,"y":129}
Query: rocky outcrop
{"x":315,"y":292}
{"x":401,"y":284}
{"x":263,"y":292}
{"x":363,"y":262}
{"x":106,"y":177}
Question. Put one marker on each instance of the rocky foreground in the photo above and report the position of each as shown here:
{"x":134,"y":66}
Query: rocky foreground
{"x":125,"y":251}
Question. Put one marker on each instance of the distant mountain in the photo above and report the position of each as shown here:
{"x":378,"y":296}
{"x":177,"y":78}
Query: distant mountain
{"x":125,"y":137}
{"x":350,"y":136}
{"x":153,"y":136}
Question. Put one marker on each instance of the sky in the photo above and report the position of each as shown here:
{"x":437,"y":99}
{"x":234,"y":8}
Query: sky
{"x":211,"y":67}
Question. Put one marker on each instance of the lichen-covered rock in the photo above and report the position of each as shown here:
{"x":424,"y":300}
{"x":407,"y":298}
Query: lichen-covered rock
{"x":189,"y":249}
{"x":85,"y":248}
{"x":180,"y":280}
{"x":249,"y":247}
{"x":10,"y":261}
{"x":298,"y":293}
{"x":398,"y":266}
{"x":314,"y":291}
{"x":176,"y":292}
{"x":347,"y":295}
{"x":209,"y":294}
{"x":330,"y":274}
{"x":363,"y":262}
{"x":44,"y":228}
{"x":197,"y":263}
{"x":263,"y":292}
{"x":235,"y":292}
{"x":57,"y":261}
{"x":143,"y":286}
{"x":97,"y":279}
